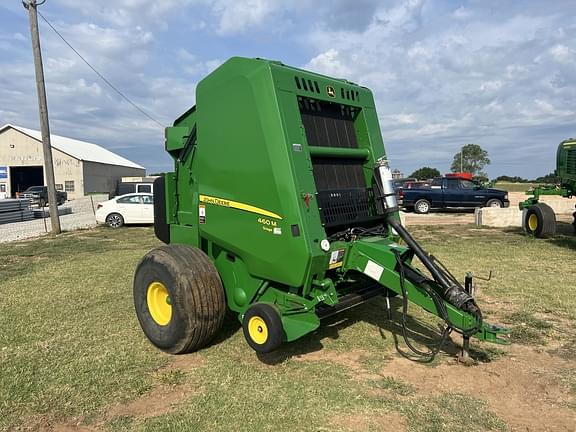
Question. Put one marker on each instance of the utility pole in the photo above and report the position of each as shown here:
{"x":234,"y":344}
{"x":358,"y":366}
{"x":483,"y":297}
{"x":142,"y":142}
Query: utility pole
{"x":43,"y":108}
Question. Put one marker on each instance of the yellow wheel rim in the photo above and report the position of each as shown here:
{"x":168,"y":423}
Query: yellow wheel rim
{"x":533,"y":222}
{"x":158,"y":299}
{"x":258,"y":330}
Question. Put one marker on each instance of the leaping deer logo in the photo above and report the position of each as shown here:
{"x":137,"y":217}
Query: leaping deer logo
{"x":330,"y":91}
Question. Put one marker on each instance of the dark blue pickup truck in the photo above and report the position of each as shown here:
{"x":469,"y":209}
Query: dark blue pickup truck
{"x":452,"y":192}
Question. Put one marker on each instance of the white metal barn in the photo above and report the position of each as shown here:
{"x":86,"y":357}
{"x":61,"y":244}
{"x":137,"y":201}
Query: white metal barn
{"x":79,"y":167}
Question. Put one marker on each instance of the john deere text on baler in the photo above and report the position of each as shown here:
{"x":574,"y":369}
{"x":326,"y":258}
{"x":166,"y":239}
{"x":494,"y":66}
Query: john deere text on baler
{"x":281,"y":208}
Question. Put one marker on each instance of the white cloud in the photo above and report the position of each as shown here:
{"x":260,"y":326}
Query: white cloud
{"x":193,"y":65}
{"x":563,"y":54}
{"x":443,"y":75}
{"x":460,"y":83}
{"x":491,"y":86}
{"x":400,"y":119}
{"x":328,"y":63}
{"x":240,"y":15}
{"x":462,"y":13}
{"x":128,"y":13}
{"x":82,"y":106}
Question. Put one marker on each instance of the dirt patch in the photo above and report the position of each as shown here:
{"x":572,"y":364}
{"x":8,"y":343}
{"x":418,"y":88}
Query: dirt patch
{"x":522,"y":388}
{"x":351,"y":360}
{"x":162,"y":399}
{"x":368,"y":422}
{"x":65,"y":428}
{"x":184,"y":362}
{"x":518,"y":388}
{"x":497,"y":307}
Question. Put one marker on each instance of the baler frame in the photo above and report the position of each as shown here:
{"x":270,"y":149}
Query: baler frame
{"x":315,"y":231}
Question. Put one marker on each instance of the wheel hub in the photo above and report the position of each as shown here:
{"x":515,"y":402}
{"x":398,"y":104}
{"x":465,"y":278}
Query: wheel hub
{"x":258,"y":330}
{"x":533,"y":222}
{"x":159,"y":303}
{"x":114,"y":221}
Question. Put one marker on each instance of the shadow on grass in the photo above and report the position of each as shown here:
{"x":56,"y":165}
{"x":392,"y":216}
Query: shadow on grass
{"x":373,"y":312}
{"x":229,"y":328}
{"x":565,"y":236}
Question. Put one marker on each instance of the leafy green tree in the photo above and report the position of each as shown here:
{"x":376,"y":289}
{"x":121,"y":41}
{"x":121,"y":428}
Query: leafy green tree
{"x":508,"y":179}
{"x":471,"y":158}
{"x":425,"y":173}
{"x":551,"y":178}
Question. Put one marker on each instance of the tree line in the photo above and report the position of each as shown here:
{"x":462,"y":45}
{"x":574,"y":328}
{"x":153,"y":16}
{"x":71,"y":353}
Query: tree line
{"x":474,"y":159}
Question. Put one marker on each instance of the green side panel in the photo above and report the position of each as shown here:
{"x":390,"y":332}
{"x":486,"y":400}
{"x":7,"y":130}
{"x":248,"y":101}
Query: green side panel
{"x":242,"y":156}
{"x":248,"y":185}
{"x":181,"y":234}
{"x":298,"y":325}
{"x":171,"y":198}
{"x":565,"y":169}
{"x":241,"y":288}
{"x":176,"y":138}
{"x":566,"y":164}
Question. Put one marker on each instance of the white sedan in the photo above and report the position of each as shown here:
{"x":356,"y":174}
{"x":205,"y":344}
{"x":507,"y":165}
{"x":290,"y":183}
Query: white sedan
{"x":126,"y":209}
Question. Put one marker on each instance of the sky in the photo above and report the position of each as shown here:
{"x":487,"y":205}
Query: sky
{"x":498,"y":73}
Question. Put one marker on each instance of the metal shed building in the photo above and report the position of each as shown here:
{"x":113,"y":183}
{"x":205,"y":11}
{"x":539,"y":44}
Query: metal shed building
{"x":79,"y":167}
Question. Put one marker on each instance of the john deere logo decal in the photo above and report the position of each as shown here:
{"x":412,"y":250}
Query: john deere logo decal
{"x":330,"y":91}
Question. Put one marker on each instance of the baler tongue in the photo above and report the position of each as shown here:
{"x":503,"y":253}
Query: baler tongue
{"x":390,"y":264}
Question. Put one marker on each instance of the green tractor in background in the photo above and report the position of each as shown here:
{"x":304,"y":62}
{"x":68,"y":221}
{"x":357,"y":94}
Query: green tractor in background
{"x":539,"y":218}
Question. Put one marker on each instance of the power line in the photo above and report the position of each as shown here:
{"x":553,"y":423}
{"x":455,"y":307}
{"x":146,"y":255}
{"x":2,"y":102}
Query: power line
{"x":100,"y":75}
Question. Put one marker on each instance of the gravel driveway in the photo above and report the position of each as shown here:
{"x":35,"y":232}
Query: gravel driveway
{"x":38,"y":227}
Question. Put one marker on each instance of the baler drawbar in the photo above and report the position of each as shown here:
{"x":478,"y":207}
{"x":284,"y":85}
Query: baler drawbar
{"x":281,"y":209}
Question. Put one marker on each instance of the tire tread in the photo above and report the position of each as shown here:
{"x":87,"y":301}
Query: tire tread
{"x":546,"y":220}
{"x":200,"y":294}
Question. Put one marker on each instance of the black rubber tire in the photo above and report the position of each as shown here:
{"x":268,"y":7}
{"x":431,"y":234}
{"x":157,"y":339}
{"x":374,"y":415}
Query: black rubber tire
{"x":196,"y":292}
{"x":271,"y":318}
{"x":544,"y":218}
{"x":496,"y":203}
{"x":420,"y":202}
{"x":114,"y":220}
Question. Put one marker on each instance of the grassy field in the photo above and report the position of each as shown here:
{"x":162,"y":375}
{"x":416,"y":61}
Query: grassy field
{"x":72,"y":355}
{"x":515,"y":187}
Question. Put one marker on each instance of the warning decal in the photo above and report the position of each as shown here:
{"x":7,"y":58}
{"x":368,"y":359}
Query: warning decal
{"x":202,"y":213}
{"x":336,"y":258}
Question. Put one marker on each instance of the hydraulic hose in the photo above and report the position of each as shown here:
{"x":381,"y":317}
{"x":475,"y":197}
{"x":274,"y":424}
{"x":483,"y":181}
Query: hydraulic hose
{"x":427,"y":356}
{"x":453,"y":293}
